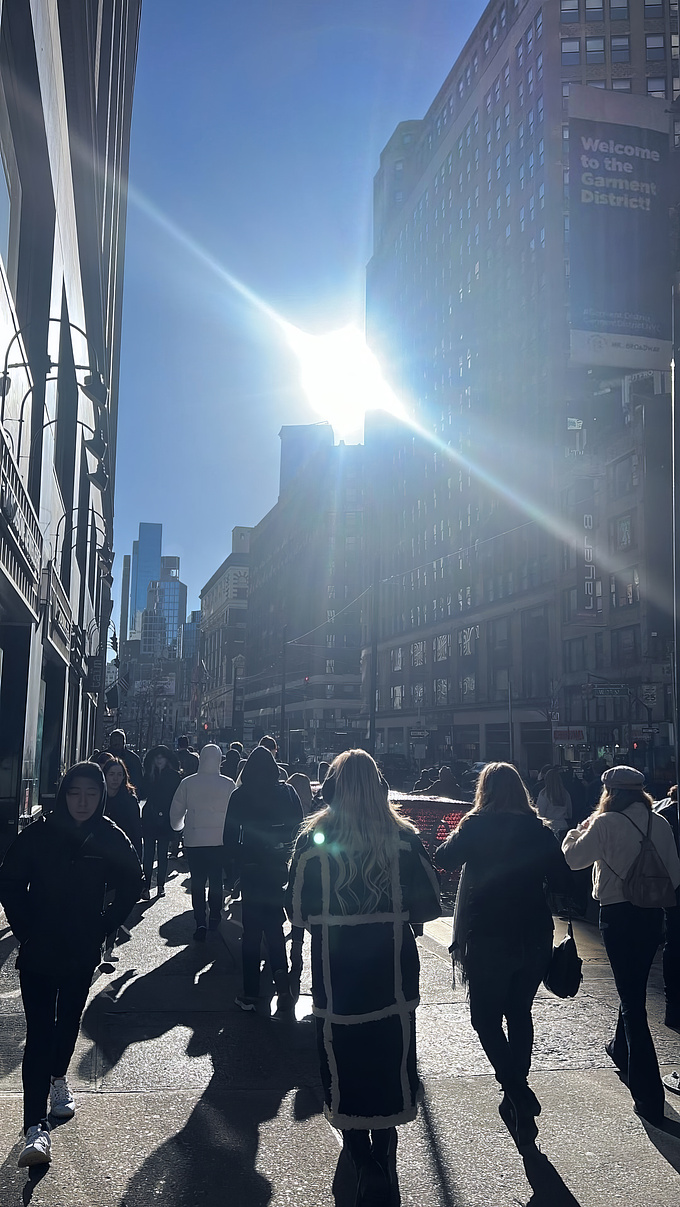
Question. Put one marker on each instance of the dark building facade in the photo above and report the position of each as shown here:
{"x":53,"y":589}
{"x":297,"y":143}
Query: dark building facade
{"x":224,"y":603}
{"x":66,"y":84}
{"x":515,"y":459}
{"x":307,"y":569}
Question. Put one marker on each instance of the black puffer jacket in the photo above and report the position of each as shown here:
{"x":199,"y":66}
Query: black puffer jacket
{"x":263,"y":818}
{"x":158,"y":791}
{"x":54,"y":880}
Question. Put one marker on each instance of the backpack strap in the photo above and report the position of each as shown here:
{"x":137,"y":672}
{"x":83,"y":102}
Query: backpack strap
{"x":633,"y":823}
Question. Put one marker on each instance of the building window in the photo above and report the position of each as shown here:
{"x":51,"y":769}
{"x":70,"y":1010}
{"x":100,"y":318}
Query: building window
{"x":397,"y":696}
{"x":541,"y":152}
{"x":530,"y":81}
{"x":571,"y":52}
{"x":539,"y":23}
{"x":539,"y":66}
{"x":621,"y":85}
{"x":622,"y":476}
{"x":652,"y":10}
{"x":620,"y":48}
{"x":594,"y":50}
{"x":574,"y":654}
{"x":618,"y":10}
{"x":330,"y":666}
{"x":418,"y":653}
{"x":656,"y":86}
{"x":594,"y":10}
{"x":626,"y":645}
{"x":622,"y":532}
{"x":569,"y":10}
{"x":520,"y":53}
{"x":441,"y":691}
{"x":441,"y":647}
{"x":655,"y":47}
{"x":625,"y":588}
{"x":418,"y":695}
{"x":395,"y":659}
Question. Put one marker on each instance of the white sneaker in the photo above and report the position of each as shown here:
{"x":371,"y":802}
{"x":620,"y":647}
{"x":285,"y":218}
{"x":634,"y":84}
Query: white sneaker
{"x":38,"y":1147}
{"x":62,"y":1102}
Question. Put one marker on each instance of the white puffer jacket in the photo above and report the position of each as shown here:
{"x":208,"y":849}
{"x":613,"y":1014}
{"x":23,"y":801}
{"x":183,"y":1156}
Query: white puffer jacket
{"x":200,"y":802}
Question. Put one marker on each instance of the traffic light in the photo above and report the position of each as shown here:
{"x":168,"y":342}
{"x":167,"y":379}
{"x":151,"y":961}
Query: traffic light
{"x":114,"y":642}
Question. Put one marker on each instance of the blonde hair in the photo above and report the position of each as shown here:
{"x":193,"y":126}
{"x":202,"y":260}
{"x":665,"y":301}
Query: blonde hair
{"x":500,"y":789}
{"x":360,"y":829}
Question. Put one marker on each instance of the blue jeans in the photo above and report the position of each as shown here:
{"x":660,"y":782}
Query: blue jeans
{"x":631,"y":937}
{"x":503,"y":977}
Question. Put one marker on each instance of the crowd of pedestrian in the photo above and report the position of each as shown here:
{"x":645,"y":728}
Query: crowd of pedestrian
{"x":339,"y":860}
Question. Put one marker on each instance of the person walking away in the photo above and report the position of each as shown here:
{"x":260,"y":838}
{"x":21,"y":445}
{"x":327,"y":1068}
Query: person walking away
{"x":52,"y":886}
{"x":188,"y":759}
{"x":118,"y":747}
{"x":360,"y":880}
{"x":161,"y":781}
{"x":554,"y":803}
{"x":611,"y":840}
{"x":303,"y":786}
{"x":668,"y":809}
{"x":503,"y":940}
{"x":259,"y":830}
{"x":199,"y":806}
{"x":230,"y":764}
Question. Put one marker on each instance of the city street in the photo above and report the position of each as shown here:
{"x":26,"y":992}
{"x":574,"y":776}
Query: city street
{"x":183,"y":1099}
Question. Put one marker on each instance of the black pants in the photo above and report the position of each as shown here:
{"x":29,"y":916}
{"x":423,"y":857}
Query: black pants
{"x":631,"y":936}
{"x":261,"y":919}
{"x":671,"y":961}
{"x":150,"y":842}
{"x":503,"y":977}
{"x":53,"y":1008}
{"x":205,"y":865}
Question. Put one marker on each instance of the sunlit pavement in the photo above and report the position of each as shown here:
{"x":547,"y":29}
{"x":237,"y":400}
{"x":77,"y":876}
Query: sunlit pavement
{"x":183,"y":1099}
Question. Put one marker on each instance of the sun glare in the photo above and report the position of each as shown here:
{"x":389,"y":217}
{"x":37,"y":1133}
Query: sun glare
{"x":342,"y":378}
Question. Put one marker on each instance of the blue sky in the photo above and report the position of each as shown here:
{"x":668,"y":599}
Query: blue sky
{"x":257,"y":129}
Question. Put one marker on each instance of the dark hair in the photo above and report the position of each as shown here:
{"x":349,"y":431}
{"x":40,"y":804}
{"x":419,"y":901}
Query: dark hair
{"x":126,"y":786}
{"x":230,"y":764}
{"x":182,"y":743}
{"x":88,"y":771}
{"x":260,"y":772}
{"x":269,"y":743}
{"x":100,"y":757}
{"x":168,"y":754}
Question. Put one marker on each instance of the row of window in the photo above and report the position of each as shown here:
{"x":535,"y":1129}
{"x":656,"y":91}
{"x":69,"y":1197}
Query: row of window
{"x":593,"y":10}
{"x":594,"y":49}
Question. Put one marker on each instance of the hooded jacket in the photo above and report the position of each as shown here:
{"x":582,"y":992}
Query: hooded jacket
{"x":200,"y":802}
{"x":54,"y":881}
{"x":262,"y":821}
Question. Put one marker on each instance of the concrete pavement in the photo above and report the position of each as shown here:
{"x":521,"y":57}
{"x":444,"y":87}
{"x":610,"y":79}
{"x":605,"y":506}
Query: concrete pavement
{"x":184,"y":1100}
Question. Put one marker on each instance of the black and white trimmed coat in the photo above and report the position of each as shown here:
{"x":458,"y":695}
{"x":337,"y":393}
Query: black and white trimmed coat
{"x":365,"y":981}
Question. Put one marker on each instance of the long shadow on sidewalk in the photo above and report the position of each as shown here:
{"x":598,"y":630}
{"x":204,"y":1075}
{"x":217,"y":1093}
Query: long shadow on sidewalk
{"x":258,"y":1064}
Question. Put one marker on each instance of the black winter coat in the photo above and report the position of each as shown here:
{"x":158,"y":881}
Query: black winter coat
{"x":123,"y":809}
{"x":158,"y":793}
{"x":259,"y":832}
{"x":53,"y":885}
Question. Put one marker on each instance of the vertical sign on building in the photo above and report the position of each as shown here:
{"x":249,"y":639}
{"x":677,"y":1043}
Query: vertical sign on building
{"x":619,"y":230}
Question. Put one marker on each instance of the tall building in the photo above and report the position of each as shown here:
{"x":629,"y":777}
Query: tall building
{"x":482,"y":645}
{"x":146,"y":568}
{"x":224,"y":603}
{"x":304,"y":611}
{"x":66,"y":84}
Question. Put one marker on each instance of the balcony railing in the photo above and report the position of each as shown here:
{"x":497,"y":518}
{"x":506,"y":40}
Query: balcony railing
{"x":20,"y":537}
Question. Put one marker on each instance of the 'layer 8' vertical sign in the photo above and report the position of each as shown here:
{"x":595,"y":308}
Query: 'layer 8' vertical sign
{"x":619,"y":240}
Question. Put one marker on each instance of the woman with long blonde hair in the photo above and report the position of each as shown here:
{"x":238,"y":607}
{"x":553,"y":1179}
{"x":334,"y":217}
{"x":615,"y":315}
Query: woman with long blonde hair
{"x":360,"y":878}
{"x":504,"y":942}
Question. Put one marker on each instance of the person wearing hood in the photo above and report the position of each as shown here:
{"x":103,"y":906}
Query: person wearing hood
{"x":259,"y":829}
{"x":161,"y":780}
{"x":200,"y":805}
{"x":54,"y":883}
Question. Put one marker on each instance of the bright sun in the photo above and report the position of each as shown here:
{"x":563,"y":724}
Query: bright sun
{"x":342,"y":378}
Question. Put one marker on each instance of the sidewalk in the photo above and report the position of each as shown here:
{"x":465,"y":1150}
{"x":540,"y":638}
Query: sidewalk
{"x":186,"y":1101}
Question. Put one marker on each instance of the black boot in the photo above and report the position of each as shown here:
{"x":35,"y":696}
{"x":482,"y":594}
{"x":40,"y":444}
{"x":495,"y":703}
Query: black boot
{"x":384,"y":1147}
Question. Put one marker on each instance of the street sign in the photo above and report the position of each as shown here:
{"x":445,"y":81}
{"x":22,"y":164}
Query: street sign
{"x":607,"y":691}
{"x":418,"y":735}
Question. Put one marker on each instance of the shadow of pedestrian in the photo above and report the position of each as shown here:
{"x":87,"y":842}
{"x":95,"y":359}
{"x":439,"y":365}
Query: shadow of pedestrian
{"x":35,"y":1176}
{"x":546,"y":1183}
{"x":264,"y":1072}
{"x":666,"y":1142}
